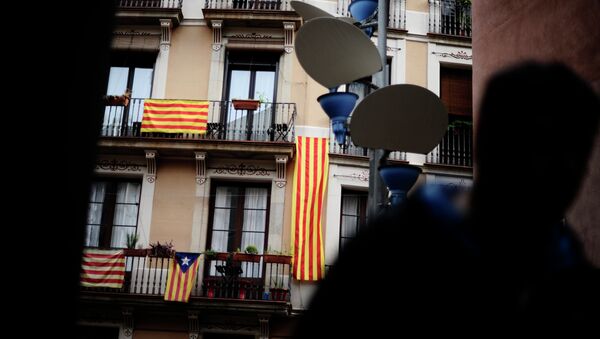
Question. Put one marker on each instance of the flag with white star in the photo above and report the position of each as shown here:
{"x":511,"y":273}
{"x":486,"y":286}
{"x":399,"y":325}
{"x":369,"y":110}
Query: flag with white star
{"x":182,"y":276}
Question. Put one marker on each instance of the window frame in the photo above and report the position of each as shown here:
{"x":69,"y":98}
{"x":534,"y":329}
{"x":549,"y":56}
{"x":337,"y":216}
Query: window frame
{"x":362,"y":213}
{"x":109,"y":205}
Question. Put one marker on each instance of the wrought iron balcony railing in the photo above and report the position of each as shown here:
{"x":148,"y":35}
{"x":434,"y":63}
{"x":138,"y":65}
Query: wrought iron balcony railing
{"x":149,"y":3}
{"x":450,"y":17}
{"x":258,"y":277}
{"x":272,"y":122}
{"x":455,"y":148}
{"x":396,"y":10}
{"x":350,"y":149}
{"x":262,"y":5}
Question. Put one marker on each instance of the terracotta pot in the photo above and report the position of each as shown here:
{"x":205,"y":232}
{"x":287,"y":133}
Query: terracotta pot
{"x":248,"y":104}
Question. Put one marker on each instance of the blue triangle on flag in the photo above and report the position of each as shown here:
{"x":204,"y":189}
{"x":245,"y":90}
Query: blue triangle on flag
{"x":185,"y":260}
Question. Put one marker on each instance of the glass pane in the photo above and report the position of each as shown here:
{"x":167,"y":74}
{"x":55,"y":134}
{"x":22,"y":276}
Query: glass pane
{"x":226,"y":196}
{"x":239,"y":85}
{"x":92,"y":236}
{"x":264,"y":86}
{"x":125,"y":215}
{"x":97,"y":192}
{"x":349,"y":226}
{"x":117,"y":80}
{"x":119,"y":236}
{"x":350,"y":205}
{"x":128,"y":192}
{"x":142,"y":83}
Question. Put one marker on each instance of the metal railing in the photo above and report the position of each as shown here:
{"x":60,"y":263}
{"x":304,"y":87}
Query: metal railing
{"x":349,"y":148}
{"x":260,"y":277}
{"x":263,"y":5}
{"x":149,"y":3}
{"x":455,"y":148}
{"x":450,"y":17}
{"x":269,"y":122}
{"x":396,"y":10}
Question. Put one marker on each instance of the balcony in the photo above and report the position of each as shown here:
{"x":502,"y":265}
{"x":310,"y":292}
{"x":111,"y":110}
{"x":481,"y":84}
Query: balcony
{"x":148,"y":12}
{"x":450,"y":18}
{"x":455,"y":148}
{"x":396,"y":11}
{"x":271,"y":122}
{"x":264,"y":13}
{"x":349,"y":149}
{"x":263,"y":279}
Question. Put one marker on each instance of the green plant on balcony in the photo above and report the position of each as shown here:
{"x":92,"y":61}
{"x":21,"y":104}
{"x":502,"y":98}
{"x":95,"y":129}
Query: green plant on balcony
{"x":251,"y":249}
{"x":164,"y":250}
{"x":132,"y":239}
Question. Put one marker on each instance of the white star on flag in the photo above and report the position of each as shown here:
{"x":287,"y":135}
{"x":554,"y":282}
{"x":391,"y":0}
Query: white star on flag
{"x":185,"y":261}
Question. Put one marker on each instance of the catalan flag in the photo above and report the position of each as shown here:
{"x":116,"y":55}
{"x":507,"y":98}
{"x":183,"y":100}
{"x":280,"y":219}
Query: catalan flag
{"x":310,"y":180}
{"x":181,"y":276}
{"x":175,"y":116}
{"x":102,"y":268}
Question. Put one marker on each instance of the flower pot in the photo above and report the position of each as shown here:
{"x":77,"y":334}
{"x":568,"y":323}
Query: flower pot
{"x":248,"y":104}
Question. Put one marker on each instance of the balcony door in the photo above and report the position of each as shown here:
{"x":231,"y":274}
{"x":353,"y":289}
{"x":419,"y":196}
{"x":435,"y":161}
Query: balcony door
{"x":250,"y":75}
{"x":133,"y":71}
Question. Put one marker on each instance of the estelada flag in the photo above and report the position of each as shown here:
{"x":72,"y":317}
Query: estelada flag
{"x":182,"y":276}
{"x":175,"y":116}
{"x":102,"y":268}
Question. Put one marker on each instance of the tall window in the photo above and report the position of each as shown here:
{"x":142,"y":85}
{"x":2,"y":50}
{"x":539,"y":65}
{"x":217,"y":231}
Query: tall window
{"x":456,"y":92}
{"x":240,"y":215}
{"x":250,"y":75}
{"x":354,"y":214}
{"x":133,"y":71}
{"x":112,"y":213}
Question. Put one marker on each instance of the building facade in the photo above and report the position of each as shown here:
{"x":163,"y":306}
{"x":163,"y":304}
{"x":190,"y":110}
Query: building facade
{"x":230,"y":189}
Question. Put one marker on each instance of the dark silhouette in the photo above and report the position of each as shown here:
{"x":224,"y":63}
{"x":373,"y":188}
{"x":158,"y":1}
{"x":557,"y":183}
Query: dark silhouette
{"x":510,"y":267}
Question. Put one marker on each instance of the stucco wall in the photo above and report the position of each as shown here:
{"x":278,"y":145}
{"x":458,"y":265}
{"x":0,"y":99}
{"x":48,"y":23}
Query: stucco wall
{"x":174,"y":198}
{"x":416,"y":63}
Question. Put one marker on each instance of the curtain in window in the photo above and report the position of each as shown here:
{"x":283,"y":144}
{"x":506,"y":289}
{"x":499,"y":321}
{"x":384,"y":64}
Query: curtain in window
{"x":126,"y":212}
{"x":255,"y":218}
{"x":225,"y":198}
{"x":96,"y":202}
{"x":350,"y":213}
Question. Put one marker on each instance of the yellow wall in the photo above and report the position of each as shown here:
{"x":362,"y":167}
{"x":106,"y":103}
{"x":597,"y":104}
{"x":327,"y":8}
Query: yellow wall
{"x":173,"y":208}
{"x":416,"y":63}
{"x":138,"y":334}
{"x":189,"y":63}
{"x":305,"y":92}
{"x":417,"y":5}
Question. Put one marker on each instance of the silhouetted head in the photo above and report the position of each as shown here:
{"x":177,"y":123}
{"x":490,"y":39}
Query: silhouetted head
{"x":536,"y":129}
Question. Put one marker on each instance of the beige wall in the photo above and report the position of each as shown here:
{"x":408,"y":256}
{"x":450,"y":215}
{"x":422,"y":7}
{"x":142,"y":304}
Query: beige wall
{"x":189,"y":63}
{"x":546,"y":30}
{"x":417,"y":5}
{"x":416,"y":63}
{"x":305,"y":92}
{"x":159,"y":335}
{"x":173,"y":208}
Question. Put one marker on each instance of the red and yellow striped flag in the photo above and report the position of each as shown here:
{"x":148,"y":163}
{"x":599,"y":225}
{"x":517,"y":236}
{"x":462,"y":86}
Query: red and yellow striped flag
{"x":175,"y":116}
{"x":181,"y":276}
{"x":310,"y":180}
{"x":102,"y":268}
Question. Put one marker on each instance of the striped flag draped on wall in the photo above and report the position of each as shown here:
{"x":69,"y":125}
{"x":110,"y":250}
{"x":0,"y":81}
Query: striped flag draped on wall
{"x":102,"y":268}
{"x":181,"y":276}
{"x":175,"y":116}
{"x":310,"y":181}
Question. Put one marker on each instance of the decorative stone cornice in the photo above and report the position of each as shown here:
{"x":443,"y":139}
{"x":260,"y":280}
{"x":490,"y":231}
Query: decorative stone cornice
{"x":200,"y":167}
{"x":242,"y":169}
{"x":115,"y":165}
{"x":362,"y":176}
{"x":165,"y":29}
{"x":288,"y":28}
{"x":217,"y":34}
{"x":280,"y":177}
{"x":458,"y":55}
{"x":151,"y":165}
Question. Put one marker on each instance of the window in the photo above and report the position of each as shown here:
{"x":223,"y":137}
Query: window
{"x":250,"y":75}
{"x":112,"y":213}
{"x":354,"y":213}
{"x":240,"y":215}
{"x":132,"y":71}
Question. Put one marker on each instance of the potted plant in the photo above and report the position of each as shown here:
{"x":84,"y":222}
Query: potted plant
{"x":247,"y":104}
{"x":131,"y":251}
{"x":250,"y":254}
{"x":164,"y":250}
{"x":277,"y":257}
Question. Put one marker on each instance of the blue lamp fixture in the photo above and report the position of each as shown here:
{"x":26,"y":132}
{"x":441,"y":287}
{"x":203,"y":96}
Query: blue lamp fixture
{"x":399,"y":179}
{"x":361,"y":10}
{"x":338,"y":106}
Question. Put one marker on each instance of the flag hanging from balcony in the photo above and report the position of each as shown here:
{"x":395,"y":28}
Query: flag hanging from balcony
{"x":175,"y":116}
{"x":102,"y":268}
{"x":182,"y":276}
{"x":310,"y":180}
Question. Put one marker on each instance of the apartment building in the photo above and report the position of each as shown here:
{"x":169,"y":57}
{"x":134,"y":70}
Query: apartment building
{"x":230,"y":190}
